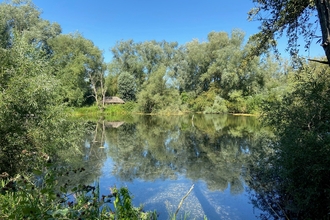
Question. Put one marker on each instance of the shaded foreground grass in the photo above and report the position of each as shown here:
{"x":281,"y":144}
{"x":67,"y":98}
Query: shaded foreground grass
{"x":41,"y":196}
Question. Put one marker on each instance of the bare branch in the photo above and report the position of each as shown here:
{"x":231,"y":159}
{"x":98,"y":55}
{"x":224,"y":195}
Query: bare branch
{"x":181,"y":202}
{"x":319,"y":61}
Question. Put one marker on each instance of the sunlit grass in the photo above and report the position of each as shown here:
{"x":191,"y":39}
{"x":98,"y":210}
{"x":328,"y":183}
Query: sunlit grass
{"x":97,"y":111}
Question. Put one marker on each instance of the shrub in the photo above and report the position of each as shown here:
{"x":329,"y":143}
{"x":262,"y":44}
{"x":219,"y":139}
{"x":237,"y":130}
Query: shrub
{"x":219,"y":106}
{"x":202,"y":101}
{"x":25,"y":197}
{"x":237,"y":103}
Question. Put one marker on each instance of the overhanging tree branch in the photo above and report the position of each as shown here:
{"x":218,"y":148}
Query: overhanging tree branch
{"x":319,"y":61}
{"x":294,"y":16}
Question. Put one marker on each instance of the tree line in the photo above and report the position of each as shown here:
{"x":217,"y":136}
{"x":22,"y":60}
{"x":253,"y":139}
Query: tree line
{"x":214,"y":76}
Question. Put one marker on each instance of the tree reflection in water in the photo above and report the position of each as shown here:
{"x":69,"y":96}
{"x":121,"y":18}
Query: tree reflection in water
{"x":214,"y":149}
{"x":82,"y":165}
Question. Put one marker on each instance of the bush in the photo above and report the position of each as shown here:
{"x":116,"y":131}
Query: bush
{"x":253,"y":104}
{"x":25,"y":197}
{"x":237,"y":103}
{"x":219,"y":106}
{"x":203,"y":101}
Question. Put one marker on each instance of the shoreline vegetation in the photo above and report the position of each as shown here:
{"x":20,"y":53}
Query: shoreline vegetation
{"x":121,"y":110}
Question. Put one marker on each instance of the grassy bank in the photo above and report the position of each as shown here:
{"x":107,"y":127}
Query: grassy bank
{"x":123,"y":111}
{"x":94,"y":110}
{"x":112,"y":111}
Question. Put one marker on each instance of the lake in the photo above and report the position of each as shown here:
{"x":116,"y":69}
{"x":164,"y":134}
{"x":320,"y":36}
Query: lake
{"x":160,"y":158}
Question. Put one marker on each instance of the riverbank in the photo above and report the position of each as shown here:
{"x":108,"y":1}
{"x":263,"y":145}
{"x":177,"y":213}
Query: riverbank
{"x":127,"y":109}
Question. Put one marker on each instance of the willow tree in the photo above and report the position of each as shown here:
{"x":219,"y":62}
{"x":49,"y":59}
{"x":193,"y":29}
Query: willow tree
{"x":142,"y":59}
{"x":158,"y":94}
{"x":23,"y":17}
{"x":294,"y":18}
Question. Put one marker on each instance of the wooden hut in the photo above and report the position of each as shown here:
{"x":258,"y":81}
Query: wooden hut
{"x":113,"y":100}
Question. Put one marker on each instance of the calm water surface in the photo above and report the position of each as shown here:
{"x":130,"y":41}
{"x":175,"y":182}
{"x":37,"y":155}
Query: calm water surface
{"x":160,"y":158}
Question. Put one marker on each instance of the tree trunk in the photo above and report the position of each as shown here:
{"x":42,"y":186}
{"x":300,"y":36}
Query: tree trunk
{"x":323,"y":9}
{"x":103,"y":91}
{"x":95,"y":94}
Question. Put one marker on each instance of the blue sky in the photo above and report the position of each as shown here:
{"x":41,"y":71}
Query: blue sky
{"x":107,"y":21}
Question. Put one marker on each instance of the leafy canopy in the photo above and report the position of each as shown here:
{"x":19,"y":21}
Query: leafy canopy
{"x":292,"y":18}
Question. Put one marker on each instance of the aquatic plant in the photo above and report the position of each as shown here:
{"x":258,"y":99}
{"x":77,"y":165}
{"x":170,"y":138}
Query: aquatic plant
{"x":42,"y":196}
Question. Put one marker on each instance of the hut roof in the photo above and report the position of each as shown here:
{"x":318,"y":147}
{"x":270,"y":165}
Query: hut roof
{"x":113,"y":100}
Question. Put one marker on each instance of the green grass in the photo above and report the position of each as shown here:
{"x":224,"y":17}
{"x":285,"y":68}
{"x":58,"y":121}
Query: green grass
{"x":122,"y":109}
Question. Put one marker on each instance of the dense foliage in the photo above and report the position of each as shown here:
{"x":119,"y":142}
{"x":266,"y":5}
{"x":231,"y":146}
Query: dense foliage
{"x":30,"y":106}
{"x":126,"y":86}
{"x":23,"y":198}
{"x":78,"y":65}
{"x":294,"y":178}
{"x":200,"y":73}
{"x":218,"y":75}
{"x":291,"y":180}
{"x":161,"y":77}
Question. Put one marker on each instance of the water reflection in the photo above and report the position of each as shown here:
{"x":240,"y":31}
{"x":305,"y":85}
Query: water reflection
{"x":169,"y":153}
{"x":212,"y":149}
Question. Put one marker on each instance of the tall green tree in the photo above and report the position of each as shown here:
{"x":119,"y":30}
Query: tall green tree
{"x":111,"y":78}
{"x":126,"y":86}
{"x":23,"y":17}
{"x":158,"y":95}
{"x":228,"y":69}
{"x":126,"y":57}
{"x":193,"y":64}
{"x":142,"y":59}
{"x":80,"y":67}
{"x":219,"y":67}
